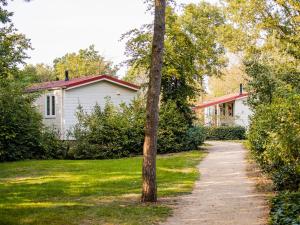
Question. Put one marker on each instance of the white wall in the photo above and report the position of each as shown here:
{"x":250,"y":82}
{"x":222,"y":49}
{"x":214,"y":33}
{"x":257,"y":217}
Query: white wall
{"x":40,"y":103}
{"x":242,"y":112}
{"x":209,"y":113}
{"x":87,"y":96}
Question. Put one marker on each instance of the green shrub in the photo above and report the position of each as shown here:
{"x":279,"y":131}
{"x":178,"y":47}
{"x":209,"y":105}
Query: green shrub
{"x":285,"y":209}
{"x":20,"y":126}
{"x":195,"y":137}
{"x":274,"y":137}
{"x":172,"y":129}
{"x":22,"y":133}
{"x":226,"y":133}
{"x":113,"y":132}
{"x":53,"y":147}
{"x":116,"y":132}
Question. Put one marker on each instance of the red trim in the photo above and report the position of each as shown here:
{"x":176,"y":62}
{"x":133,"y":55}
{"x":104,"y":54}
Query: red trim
{"x":102,"y":77}
{"x":80,"y":81}
{"x":223,"y":99}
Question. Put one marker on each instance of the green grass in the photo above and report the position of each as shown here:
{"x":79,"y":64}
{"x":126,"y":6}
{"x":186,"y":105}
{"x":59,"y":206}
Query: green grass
{"x":90,"y":191}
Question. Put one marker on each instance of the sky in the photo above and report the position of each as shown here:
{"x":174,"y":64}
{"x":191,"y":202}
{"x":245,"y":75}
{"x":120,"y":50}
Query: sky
{"x":57,"y":27}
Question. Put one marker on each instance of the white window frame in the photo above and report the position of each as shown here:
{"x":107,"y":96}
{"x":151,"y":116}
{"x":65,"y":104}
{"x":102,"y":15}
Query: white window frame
{"x":50,"y":106}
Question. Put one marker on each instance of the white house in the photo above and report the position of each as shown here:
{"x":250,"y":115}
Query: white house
{"x":59,"y":100}
{"x":228,"y":110}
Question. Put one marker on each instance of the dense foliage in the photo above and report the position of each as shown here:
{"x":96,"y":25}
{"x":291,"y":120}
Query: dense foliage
{"x":268,"y":36}
{"x":285,"y":209}
{"x":20,"y":126}
{"x":275,"y":138}
{"x":22,"y":134}
{"x":36,"y":74}
{"x":114,"y":132}
{"x":82,"y":63}
{"x":13,"y":45}
{"x":191,"y":52}
{"x":226,"y":133}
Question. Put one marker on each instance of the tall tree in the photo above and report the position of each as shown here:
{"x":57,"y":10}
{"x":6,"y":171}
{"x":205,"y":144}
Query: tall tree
{"x":86,"y":62}
{"x":13,"y":45}
{"x":149,"y":190}
{"x":192,"y":51}
{"x":36,"y":73}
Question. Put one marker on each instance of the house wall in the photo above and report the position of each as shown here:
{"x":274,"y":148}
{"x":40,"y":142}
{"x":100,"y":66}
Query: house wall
{"x":88,"y":95}
{"x":209,"y":113}
{"x":242,"y":112}
{"x":40,"y":103}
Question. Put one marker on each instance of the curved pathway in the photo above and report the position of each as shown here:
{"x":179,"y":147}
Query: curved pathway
{"x":223,"y":195}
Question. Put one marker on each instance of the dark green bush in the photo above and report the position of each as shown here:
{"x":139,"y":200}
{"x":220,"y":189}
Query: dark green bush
{"x":195,"y":137}
{"x":285,"y":209}
{"x":226,"y":133}
{"x":22,"y":133}
{"x":20,"y":126}
{"x":274,"y":137}
{"x":172,"y":129}
{"x":113,"y":132}
{"x":53,"y":147}
{"x":116,"y":132}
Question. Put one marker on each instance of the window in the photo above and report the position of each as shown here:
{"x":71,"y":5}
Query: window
{"x":50,"y":106}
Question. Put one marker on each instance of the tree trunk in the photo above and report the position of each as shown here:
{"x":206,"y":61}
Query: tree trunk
{"x":149,"y":192}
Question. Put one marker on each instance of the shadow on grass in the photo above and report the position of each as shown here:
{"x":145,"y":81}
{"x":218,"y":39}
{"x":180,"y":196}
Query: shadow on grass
{"x":90,"y":192}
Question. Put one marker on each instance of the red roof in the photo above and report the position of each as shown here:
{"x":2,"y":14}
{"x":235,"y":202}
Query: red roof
{"x":80,"y":81}
{"x":220,"y":100}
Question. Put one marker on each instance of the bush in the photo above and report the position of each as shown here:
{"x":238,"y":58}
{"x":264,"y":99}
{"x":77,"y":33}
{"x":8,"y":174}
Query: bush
{"x":22,"y":133}
{"x":274,"y":138}
{"x":116,"y":132}
{"x":226,"y":133}
{"x":113,"y":132}
{"x":195,"y":137}
{"x":285,"y":209}
{"x":172,"y":129}
{"x":53,"y":147}
{"x":20,"y":126}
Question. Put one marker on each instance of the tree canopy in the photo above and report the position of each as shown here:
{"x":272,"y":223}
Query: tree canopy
{"x":229,"y":82}
{"x":13,"y":45}
{"x":85,"y":62}
{"x":191,"y":51}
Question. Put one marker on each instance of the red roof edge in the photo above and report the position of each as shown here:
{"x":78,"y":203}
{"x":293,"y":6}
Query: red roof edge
{"x":219,"y":101}
{"x":80,"y":81}
{"x":102,"y":77}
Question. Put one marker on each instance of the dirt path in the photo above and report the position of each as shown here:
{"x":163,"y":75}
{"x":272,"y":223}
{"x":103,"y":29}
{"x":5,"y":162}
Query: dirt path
{"x":223,"y":195}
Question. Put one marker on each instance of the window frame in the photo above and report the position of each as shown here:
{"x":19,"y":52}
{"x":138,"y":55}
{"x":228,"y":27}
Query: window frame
{"x":52,"y":102}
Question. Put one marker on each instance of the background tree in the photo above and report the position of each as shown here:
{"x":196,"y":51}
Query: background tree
{"x":191,"y":51}
{"x":21,"y":128}
{"x":36,"y":73}
{"x":86,"y":62}
{"x":229,"y":82}
{"x":12,"y":44}
{"x":149,"y":190}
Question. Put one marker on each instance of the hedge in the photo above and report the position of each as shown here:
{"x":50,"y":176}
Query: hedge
{"x":118,"y":131}
{"x":285,"y":209}
{"x":226,"y":133}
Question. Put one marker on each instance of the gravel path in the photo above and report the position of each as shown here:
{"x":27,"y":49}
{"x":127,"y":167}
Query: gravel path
{"x":223,"y":195}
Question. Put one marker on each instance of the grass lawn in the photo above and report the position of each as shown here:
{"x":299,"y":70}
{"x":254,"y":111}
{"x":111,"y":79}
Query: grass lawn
{"x":91,"y":192}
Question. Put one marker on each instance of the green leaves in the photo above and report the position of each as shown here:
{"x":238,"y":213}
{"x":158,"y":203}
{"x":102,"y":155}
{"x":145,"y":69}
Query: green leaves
{"x":274,"y":136}
{"x":85,"y":62}
{"x":192,"y":51}
{"x":20,"y":126}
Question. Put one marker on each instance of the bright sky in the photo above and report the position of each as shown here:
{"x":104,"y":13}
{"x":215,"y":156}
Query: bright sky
{"x":56,"y":27}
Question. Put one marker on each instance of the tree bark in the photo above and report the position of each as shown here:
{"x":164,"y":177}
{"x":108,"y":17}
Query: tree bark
{"x":149,"y":191}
